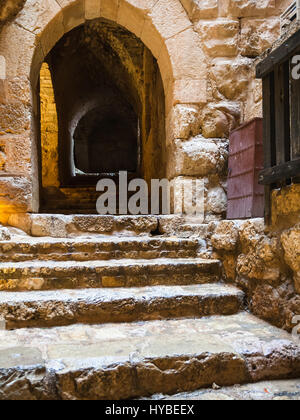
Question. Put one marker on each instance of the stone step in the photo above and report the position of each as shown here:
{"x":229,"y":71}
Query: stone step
{"x":91,"y":306}
{"x":131,"y":360}
{"x":280,"y":390}
{"x":73,"y":225}
{"x":84,"y":249}
{"x":65,"y":226}
{"x":46,"y":275}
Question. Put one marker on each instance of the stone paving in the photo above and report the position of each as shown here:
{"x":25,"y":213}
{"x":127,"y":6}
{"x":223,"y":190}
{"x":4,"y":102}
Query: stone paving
{"x":267,"y":391}
{"x":120,"y":361}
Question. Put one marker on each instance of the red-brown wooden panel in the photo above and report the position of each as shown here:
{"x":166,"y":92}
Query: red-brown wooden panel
{"x":245,"y":195}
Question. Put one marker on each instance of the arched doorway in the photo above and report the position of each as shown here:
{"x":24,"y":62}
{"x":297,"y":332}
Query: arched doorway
{"x":105,"y":86}
{"x":163,"y":27}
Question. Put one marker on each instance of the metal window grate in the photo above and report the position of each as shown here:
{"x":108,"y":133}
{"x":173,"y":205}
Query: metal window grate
{"x":291,"y":14}
{"x":281,"y":103}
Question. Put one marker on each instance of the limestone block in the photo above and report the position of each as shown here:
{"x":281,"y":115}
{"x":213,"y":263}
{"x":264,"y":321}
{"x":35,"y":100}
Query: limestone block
{"x":257,"y":35}
{"x":166,"y":71}
{"x":246,"y":8}
{"x":35,"y":15}
{"x":54,"y":31}
{"x":138,"y":225}
{"x":220,"y":118}
{"x":37,"y":61}
{"x":14,"y":118}
{"x":17,"y":154}
{"x":184,"y":122}
{"x":266,"y":303}
{"x":251,"y":232}
{"x":231,"y":77}
{"x":109,"y":9}
{"x":214,"y":123}
{"x":286,"y":205}
{"x":169,"y":17}
{"x":229,"y":264}
{"x":226,"y":236}
{"x":18,"y":58}
{"x":291,"y":244}
{"x":131,"y":17}
{"x":49,"y":225}
{"x":190,"y":91}
{"x":201,"y":9}
{"x":144,"y":6}
{"x":92,"y":224}
{"x":170,"y":224}
{"x":199,"y":156}
{"x":152,"y":38}
{"x":260,"y":259}
{"x":188,"y":197}
{"x":216,"y":200}
{"x":220,"y":38}
{"x":15,"y":195}
{"x":4,"y":234}
{"x":74,"y":15}
{"x":92,"y":9}
{"x":186,"y":56}
{"x":20,"y":221}
{"x":253,"y":105}
{"x":252,"y":266}
{"x":18,"y":89}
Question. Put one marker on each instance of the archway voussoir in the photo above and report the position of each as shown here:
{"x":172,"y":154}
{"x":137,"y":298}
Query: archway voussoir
{"x":37,"y":61}
{"x":109,"y":9}
{"x":74,"y":15}
{"x":55,"y":30}
{"x":151,"y":38}
{"x":131,"y":18}
{"x":17,"y":59}
{"x":92,"y":9}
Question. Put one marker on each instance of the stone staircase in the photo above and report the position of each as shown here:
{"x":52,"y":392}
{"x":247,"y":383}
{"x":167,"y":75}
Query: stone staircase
{"x":122,"y":314}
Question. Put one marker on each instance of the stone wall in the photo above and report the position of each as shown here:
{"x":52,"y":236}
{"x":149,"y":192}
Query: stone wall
{"x":205,"y":52}
{"x":265,"y":260}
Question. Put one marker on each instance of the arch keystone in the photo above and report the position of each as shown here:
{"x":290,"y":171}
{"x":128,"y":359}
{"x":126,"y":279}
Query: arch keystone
{"x":109,"y":9}
{"x":92,"y":9}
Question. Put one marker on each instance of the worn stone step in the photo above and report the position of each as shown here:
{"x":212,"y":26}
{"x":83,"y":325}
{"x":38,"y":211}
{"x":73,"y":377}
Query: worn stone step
{"x":68,"y":225}
{"x":131,"y":360}
{"x":65,"y":307}
{"x":45,"y":275}
{"x":64,"y":226}
{"x":26,"y":249}
{"x":278,"y":390}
